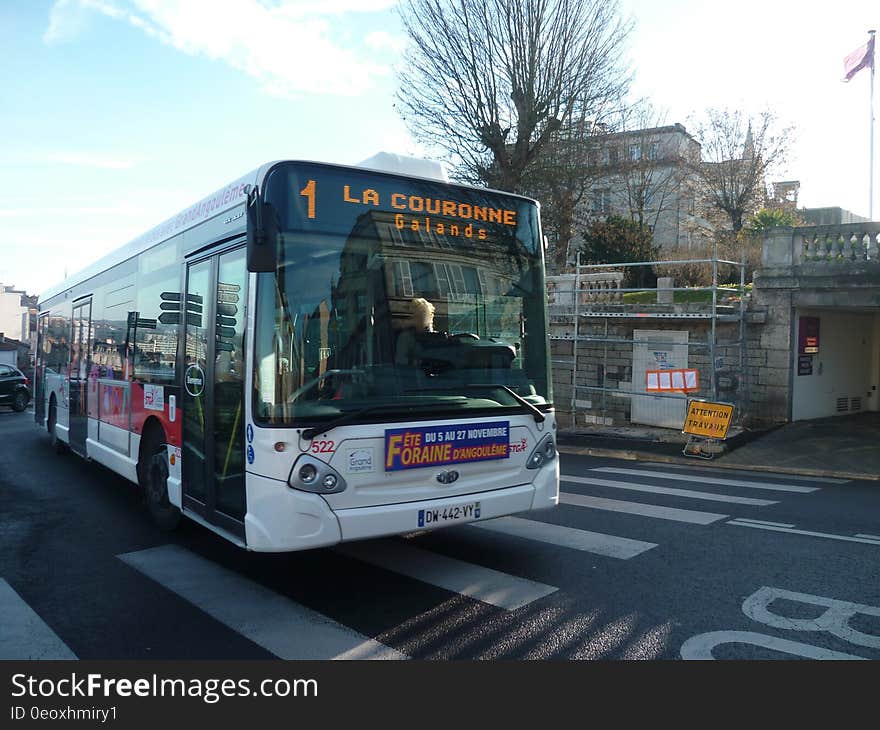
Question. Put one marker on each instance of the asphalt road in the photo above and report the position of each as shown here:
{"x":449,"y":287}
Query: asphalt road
{"x":655,"y":561}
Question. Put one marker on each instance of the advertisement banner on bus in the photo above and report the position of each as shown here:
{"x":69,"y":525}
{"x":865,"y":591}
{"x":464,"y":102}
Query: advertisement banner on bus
{"x":413,"y":448}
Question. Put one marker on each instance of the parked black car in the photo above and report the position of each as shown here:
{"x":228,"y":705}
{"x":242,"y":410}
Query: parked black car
{"x":14,"y":388}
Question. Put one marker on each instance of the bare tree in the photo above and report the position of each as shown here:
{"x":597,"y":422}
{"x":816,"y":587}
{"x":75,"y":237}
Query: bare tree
{"x":492,"y":82}
{"x":560,"y":178}
{"x":650,"y":168}
{"x":738,"y":153}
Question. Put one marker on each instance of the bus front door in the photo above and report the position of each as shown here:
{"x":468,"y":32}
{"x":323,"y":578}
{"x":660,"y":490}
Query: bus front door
{"x":40,"y":371}
{"x":80,"y":367}
{"x":213,"y":394}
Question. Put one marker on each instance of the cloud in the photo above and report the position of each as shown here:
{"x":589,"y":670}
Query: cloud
{"x":67,"y":19}
{"x":381,"y":40}
{"x":290,"y":47}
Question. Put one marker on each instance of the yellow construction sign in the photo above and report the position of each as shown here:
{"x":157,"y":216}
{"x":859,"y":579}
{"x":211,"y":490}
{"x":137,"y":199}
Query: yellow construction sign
{"x":709,"y":420}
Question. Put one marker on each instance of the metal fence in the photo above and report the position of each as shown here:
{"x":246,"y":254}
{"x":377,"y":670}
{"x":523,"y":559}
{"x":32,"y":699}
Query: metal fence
{"x":609,"y":335}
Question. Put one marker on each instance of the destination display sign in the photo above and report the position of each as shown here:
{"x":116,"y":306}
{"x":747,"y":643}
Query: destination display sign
{"x":417,"y":447}
{"x":312,"y":197}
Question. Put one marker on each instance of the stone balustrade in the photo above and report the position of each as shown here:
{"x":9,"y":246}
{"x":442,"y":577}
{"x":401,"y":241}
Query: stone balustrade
{"x":594,"y":288}
{"x":603,"y":286}
{"x":851,"y":243}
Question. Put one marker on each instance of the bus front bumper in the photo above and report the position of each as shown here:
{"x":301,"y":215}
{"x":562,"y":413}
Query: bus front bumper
{"x":281,"y":519}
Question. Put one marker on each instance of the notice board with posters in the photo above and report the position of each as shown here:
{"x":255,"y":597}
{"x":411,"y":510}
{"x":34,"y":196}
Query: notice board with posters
{"x":808,"y":335}
{"x":658,"y":350}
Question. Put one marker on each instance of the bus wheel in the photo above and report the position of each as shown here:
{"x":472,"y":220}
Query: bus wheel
{"x":57,"y":443}
{"x":164,"y":514}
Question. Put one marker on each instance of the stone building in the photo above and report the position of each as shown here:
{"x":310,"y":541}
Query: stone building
{"x":15,"y":319}
{"x":829,"y":216}
{"x":646,"y":175}
{"x":816,"y":306}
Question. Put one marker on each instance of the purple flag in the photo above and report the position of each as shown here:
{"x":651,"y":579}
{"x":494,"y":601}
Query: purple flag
{"x":861,"y":58}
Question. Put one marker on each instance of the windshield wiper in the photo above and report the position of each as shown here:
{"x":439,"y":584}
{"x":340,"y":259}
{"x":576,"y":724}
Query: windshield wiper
{"x":353,"y":416}
{"x":537,"y":414}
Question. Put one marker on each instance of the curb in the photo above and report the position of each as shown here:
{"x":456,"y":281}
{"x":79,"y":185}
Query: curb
{"x":632,"y":455}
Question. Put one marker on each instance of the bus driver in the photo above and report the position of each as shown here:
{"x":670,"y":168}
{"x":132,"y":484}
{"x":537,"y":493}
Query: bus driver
{"x":421,"y":319}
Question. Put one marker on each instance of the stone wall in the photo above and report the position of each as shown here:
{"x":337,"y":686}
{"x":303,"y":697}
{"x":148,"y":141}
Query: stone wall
{"x":610,"y":364}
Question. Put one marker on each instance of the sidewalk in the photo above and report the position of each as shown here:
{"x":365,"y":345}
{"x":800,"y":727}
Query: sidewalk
{"x":846,"y":447}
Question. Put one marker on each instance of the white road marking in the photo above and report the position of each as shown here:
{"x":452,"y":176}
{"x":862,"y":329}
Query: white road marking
{"x":23,"y":634}
{"x":482,"y":584}
{"x":281,"y":626}
{"x":835,"y":620}
{"x":869,"y":537}
{"x":748,"y":473}
{"x":809,"y":533}
{"x":688,"y":493}
{"x":644,"y":510}
{"x":764,"y":522}
{"x":706,"y":480}
{"x":700,"y":646}
{"x":591,"y":542}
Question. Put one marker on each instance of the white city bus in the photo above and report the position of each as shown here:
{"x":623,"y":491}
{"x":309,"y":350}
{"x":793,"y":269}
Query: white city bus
{"x":242,"y":362}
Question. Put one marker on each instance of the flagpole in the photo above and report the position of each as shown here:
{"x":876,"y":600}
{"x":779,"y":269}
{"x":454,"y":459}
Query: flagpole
{"x":871,"y":155}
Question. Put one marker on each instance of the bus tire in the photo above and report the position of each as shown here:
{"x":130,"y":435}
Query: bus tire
{"x":52,"y":419}
{"x":154,"y":474}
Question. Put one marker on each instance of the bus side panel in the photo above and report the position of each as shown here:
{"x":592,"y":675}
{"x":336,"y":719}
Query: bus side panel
{"x":155,"y":401}
{"x":57,"y":385}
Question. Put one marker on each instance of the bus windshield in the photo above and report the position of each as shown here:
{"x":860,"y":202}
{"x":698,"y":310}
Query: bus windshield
{"x":393,"y":294}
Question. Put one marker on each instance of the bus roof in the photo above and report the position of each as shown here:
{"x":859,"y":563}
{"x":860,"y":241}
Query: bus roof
{"x":218,"y":202}
{"x":231,"y":196}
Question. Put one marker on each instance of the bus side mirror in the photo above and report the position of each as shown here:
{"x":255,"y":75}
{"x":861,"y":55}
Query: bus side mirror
{"x":262,"y":233}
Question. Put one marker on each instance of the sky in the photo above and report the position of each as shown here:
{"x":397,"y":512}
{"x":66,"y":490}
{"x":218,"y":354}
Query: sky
{"x":116,"y":114}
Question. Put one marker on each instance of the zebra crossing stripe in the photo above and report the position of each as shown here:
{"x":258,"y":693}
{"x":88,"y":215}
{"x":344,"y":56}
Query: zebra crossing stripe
{"x":610,"y":546}
{"x":643,"y":510}
{"x":766,"y":522}
{"x":482,"y":584}
{"x":23,"y":634}
{"x":278,"y":624}
{"x":706,"y":480}
{"x":670,"y":491}
{"x":808,"y":533}
{"x":747,"y":473}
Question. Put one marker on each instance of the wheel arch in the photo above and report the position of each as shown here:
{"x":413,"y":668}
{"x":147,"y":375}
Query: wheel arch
{"x":153,"y":433}
{"x":50,"y":404}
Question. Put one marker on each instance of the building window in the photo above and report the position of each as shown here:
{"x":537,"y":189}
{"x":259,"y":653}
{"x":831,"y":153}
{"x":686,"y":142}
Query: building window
{"x":635,"y":152}
{"x":654,"y":151}
{"x":403,"y":286}
{"x":602,"y":201}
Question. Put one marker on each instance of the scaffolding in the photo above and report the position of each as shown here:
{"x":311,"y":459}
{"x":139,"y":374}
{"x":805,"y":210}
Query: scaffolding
{"x":601,"y":355}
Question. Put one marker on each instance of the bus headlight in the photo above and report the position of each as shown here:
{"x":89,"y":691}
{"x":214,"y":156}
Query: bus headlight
{"x":307,"y":473}
{"x":312,"y":475}
{"x":543,"y":453}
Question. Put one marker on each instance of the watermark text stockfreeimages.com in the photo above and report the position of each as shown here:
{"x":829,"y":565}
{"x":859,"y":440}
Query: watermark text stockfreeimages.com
{"x":210,"y":690}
